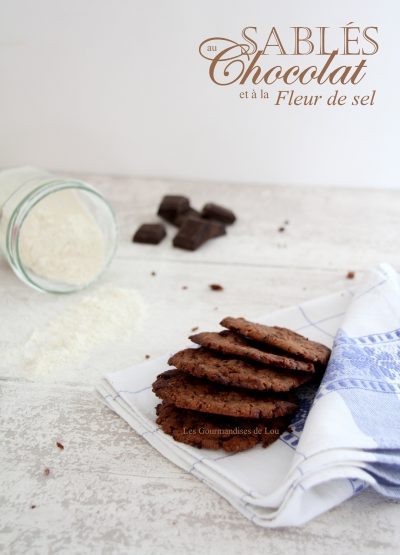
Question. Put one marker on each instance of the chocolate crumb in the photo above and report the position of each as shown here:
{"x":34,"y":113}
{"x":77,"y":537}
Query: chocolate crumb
{"x":184,"y":286}
{"x":33,"y":506}
{"x":281,"y":229}
{"x":195,"y":328}
{"x":146,"y":356}
{"x":290,"y":429}
{"x":216,"y":287}
{"x":60,"y":445}
{"x":153,"y":274}
{"x":350,"y":275}
{"x":46,"y":471}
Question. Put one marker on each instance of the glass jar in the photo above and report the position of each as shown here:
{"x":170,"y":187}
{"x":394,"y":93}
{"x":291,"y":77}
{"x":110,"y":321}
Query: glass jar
{"x":58,"y":234}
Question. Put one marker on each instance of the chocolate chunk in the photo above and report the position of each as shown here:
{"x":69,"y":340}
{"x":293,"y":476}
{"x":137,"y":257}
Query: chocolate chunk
{"x":173,"y":205}
{"x":180,"y":218}
{"x":151,"y":234}
{"x":193,"y":233}
{"x":215,"y":229}
{"x":215,"y":212}
{"x":196,"y":231}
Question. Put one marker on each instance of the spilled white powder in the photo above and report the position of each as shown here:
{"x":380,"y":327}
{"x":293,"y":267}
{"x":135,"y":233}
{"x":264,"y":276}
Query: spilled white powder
{"x":102,"y":319}
{"x":61,"y":241}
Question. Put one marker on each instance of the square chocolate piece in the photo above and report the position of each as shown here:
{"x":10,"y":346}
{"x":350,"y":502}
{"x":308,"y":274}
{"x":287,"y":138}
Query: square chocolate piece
{"x":192,"y":234}
{"x":173,"y":205}
{"x":151,"y":234}
{"x":215,"y":229}
{"x":216,"y":212}
{"x":180,"y":218}
{"x":195,"y":231}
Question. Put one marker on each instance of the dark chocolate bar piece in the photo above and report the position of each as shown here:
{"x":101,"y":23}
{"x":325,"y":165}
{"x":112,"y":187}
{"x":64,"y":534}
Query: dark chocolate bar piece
{"x":151,"y":234}
{"x":196,"y":231}
{"x":180,"y":218}
{"x":216,"y":212}
{"x":216,"y":229}
{"x":192,"y":234}
{"x":173,"y":205}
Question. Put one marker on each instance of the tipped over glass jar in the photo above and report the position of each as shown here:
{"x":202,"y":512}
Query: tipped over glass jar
{"x":58,"y":234}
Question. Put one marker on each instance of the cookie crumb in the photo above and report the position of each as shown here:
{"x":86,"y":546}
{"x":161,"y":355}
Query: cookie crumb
{"x":281,"y":229}
{"x":46,"y":471}
{"x":216,"y":287}
{"x":33,"y":506}
{"x":60,"y":445}
{"x":146,"y":357}
{"x":184,"y":287}
{"x":153,"y":273}
{"x":195,"y":328}
{"x":350,"y":275}
{"x":290,"y":429}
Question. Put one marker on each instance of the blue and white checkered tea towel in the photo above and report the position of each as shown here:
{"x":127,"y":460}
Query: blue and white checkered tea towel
{"x":344,"y":438}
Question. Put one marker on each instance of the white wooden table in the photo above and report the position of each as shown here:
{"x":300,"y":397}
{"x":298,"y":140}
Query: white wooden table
{"x":108,"y":491}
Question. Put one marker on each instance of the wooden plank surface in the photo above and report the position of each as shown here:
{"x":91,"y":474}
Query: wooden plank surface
{"x":108,"y":491}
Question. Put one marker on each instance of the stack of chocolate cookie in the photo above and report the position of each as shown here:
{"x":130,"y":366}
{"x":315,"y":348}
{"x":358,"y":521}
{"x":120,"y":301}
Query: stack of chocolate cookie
{"x":236,"y":389}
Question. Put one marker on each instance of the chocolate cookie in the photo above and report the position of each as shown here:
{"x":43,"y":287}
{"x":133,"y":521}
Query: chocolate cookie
{"x":213,"y":431}
{"x":235,"y":372}
{"x":188,"y":392}
{"x":233,"y":344}
{"x":280,"y":338}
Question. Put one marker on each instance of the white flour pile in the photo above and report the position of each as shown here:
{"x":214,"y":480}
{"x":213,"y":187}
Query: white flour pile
{"x":100,"y":320}
{"x":61,"y":241}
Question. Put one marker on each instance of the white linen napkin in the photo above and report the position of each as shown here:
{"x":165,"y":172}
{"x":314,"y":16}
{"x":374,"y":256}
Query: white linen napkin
{"x":345,"y":436}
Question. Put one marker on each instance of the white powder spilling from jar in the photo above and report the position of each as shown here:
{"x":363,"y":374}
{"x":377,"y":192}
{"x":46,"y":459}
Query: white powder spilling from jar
{"x":100,"y":321}
{"x":61,"y":241}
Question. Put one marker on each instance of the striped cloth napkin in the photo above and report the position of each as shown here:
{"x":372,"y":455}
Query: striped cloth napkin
{"x":346,"y":434}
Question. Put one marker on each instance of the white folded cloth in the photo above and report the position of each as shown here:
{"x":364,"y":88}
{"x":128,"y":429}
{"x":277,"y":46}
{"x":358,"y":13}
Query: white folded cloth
{"x":345,"y":436}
